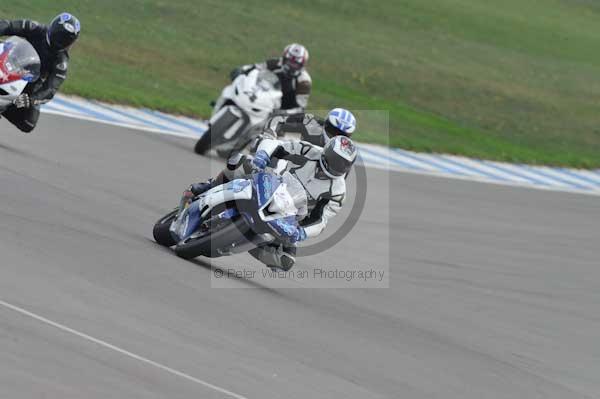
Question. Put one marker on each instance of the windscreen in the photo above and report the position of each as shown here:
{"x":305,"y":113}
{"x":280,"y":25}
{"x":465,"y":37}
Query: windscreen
{"x":22,"y":60}
{"x":267,"y":80}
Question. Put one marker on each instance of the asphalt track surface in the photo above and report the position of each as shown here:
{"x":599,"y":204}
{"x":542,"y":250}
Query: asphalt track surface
{"x":494,"y":291}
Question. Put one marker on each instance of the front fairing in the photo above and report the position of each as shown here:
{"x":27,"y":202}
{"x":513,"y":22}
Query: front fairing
{"x":251,"y":197}
{"x":282,"y":221}
{"x":256,"y":94}
{"x":265,"y":185}
{"x":18,"y":61}
{"x":19,"y":66}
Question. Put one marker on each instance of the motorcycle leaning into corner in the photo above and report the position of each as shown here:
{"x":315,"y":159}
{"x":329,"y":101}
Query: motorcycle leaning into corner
{"x":240,"y":111}
{"x":19,"y":66}
{"x":235,"y":217}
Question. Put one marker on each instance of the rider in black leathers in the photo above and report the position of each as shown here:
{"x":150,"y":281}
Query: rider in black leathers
{"x":52,"y":43}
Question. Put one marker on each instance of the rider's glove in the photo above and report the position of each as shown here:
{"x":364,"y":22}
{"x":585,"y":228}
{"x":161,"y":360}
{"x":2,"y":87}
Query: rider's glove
{"x":22,"y":101}
{"x":261,"y":160}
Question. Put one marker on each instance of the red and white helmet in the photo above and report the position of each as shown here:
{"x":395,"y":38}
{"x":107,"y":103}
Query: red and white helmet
{"x":338,"y":156}
{"x":295,"y":57}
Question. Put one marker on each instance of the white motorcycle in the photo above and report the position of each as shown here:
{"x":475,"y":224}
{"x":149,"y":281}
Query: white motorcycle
{"x":19,"y":66}
{"x":241,"y":109}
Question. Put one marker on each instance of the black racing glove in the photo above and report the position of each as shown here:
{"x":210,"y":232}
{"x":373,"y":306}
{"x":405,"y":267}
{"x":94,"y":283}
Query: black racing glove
{"x":23,"y":101}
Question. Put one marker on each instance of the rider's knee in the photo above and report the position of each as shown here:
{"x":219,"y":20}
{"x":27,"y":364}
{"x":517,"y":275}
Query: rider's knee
{"x":280,"y":257}
{"x":287,"y":261}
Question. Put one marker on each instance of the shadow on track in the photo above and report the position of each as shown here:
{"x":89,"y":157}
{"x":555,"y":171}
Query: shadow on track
{"x":208,"y":266}
{"x":15,"y":150}
{"x":250,"y":283}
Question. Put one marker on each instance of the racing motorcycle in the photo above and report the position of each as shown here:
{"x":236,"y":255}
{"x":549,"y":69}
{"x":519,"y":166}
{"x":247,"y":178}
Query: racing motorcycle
{"x":19,"y":66}
{"x":235,"y":217}
{"x":239,"y":112}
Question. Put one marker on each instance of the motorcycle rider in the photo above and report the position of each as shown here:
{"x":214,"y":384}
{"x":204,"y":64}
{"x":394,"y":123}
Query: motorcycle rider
{"x":290,"y":68}
{"x":320,"y":170}
{"x":52,"y":43}
{"x":339,"y":122}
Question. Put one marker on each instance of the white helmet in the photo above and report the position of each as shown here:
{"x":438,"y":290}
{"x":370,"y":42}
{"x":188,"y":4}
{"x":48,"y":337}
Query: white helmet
{"x":294,"y":58}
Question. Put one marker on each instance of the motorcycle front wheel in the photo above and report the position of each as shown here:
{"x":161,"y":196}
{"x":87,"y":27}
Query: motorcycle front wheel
{"x":203,"y":143}
{"x":161,"y":232}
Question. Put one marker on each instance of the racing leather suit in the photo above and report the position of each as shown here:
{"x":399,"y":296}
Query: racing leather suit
{"x":295,"y":89}
{"x":54,"y":65}
{"x":325,"y":195}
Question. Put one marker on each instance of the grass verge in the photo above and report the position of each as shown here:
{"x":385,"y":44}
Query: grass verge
{"x":517,"y":82}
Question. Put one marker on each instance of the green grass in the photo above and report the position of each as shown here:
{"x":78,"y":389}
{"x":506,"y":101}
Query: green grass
{"x":515,"y":80}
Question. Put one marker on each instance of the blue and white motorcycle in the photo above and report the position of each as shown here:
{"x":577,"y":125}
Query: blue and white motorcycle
{"x":236,"y":217}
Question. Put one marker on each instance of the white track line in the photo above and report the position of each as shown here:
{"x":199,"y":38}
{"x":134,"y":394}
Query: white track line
{"x":121,"y":351}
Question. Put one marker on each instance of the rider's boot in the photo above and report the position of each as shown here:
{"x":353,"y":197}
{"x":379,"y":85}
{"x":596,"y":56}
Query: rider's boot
{"x":202,"y":187}
{"x":234,"y":164}
{"x":277,"y":257}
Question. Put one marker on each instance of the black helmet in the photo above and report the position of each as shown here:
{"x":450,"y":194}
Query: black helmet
{"x":63,"y":31}
{"x":338,"y":156}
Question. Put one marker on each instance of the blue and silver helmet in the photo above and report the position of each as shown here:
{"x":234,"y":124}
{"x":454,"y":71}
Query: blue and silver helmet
{"x":63,"y":31}
{"x":339,"y":122}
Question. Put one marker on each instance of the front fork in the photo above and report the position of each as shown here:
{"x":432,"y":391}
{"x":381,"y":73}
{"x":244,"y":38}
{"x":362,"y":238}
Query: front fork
{"x":187,"y":221}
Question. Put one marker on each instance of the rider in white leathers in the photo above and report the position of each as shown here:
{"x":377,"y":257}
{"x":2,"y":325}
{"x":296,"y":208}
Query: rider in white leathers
{"x":322,"y":172}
